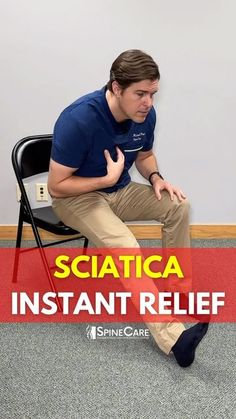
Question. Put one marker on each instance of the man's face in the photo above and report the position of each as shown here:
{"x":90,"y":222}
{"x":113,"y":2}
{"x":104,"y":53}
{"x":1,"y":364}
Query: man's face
{"x":136,"y":101}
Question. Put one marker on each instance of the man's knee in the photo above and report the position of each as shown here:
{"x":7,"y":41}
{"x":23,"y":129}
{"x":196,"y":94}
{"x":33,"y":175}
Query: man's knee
{"x":179,"y":210}
{"x":184,"y":207}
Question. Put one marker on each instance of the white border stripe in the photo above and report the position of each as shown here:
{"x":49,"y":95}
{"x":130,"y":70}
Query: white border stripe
{"x":134,"y":149}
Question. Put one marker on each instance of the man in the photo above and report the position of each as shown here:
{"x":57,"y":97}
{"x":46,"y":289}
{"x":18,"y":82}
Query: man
{"x":96,"y":141}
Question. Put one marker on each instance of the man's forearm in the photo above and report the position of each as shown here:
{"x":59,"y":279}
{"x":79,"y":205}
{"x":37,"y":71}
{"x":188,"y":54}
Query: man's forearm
{"x":76,"y":185}
{"x":147,"y":165}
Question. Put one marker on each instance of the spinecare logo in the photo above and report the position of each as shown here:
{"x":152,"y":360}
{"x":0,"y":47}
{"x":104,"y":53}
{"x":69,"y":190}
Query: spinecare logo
{"x":91,"y":332}
{"x":126,"y":332}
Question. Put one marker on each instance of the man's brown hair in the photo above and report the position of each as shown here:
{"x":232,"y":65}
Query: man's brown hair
{"x":132,"y":66}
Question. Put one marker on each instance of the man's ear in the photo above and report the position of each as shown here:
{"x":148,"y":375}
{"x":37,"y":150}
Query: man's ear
{"x":116,"y":88}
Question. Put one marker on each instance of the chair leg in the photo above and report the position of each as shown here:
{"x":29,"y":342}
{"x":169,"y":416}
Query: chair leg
{"x":45,"y":264}
{"x":86,"y":241}
{"x":18,"y":245}
{"x":49,"y":275}
{"x":42,"y":254}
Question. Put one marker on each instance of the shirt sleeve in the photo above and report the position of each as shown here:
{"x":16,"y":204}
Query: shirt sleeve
{"x":70,"y":144}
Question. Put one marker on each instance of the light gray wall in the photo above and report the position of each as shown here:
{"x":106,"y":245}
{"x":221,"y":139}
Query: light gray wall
{"x":52,"y":51}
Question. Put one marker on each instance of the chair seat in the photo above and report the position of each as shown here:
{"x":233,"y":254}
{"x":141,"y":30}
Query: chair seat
{"x":46,"y":218}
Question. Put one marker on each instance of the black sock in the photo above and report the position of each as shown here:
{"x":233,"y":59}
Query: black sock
{"x":185,"y":347}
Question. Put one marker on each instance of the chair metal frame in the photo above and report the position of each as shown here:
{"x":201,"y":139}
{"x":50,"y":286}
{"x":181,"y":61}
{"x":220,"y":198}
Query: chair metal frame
{"x":30,"y":157}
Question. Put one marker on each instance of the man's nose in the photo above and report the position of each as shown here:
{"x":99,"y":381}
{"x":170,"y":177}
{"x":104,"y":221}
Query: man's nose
{"x":148,"y":101}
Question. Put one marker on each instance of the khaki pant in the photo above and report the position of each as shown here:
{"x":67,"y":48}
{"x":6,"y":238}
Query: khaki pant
{"x":100,"y":217}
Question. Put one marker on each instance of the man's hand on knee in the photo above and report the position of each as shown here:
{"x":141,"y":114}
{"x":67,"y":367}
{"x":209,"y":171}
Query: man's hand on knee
{"x":161,"y":185}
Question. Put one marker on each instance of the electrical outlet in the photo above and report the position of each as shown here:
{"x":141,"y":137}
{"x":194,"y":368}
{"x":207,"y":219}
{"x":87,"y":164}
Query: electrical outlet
{"x":41,"y":192}
{"x":18,"y":192}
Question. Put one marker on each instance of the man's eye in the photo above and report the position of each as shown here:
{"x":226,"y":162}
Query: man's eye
{"x":140,"y":94}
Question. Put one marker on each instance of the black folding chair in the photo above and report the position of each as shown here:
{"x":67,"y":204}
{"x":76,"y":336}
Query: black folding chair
{"x":31,"y":157}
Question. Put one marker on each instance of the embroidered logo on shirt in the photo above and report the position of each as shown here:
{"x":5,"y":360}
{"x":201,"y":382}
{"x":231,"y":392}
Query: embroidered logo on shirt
{"x":138,"y":137}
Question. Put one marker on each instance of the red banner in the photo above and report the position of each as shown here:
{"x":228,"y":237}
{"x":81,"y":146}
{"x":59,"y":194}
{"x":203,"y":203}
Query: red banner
{"x":118,"y":285}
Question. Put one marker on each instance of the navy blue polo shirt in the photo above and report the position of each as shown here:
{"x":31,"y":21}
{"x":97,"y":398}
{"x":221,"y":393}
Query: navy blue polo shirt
{"x":87,"y":127}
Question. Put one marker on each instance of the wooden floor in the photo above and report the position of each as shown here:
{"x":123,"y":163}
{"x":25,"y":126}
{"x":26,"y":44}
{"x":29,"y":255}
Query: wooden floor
{"x":141,"y":232}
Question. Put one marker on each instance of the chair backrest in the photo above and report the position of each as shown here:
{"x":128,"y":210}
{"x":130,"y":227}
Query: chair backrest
{"x":31,"y":156}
